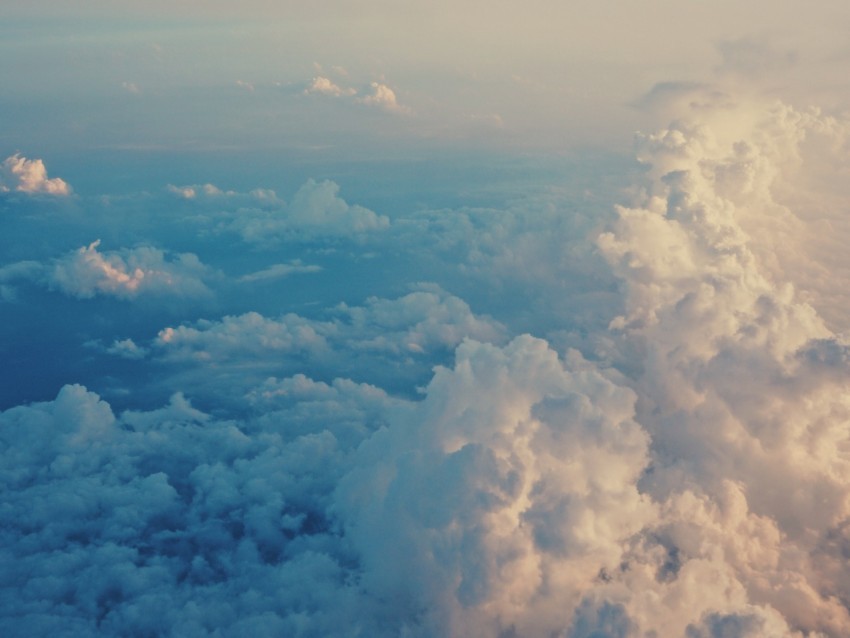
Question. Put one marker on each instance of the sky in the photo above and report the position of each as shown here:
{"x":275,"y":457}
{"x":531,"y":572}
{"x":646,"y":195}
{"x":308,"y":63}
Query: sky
{"x":414,"y":319}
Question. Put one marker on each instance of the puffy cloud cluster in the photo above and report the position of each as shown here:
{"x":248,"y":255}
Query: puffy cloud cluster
{"x":128,"y":273}
{"x":384,"y":341}
{"x":689,"y":475}
{"x":740,"y":379}
{"x":168,"y":523}
{"x":316,"y":210}
{"x":17,"y":173}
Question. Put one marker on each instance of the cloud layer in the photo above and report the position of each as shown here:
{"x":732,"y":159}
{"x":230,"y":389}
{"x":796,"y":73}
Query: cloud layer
{"x":666,"y":455}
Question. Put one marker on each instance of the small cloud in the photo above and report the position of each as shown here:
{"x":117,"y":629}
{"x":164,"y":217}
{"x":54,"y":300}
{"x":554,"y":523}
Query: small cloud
{"x":278,"y":271}
{"x":248,"y":86}
{"x":324,"y":86}
{"x":194,"y":191}
{"x":384,"y":97}
{"x":19,"y":174}
{"x":127,"y":349}
{"x":131,"y":87}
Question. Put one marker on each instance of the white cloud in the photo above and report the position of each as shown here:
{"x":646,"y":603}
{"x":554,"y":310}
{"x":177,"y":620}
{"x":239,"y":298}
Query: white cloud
{"x":315,"y":210}
{"x":128,"y":273}
{"x":326,"y":86}
{"x":385,"y":98}
{"x":20,"y":174}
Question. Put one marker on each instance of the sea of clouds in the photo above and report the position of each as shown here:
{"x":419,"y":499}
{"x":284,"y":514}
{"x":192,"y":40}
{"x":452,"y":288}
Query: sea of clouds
{"x":551,"y":418}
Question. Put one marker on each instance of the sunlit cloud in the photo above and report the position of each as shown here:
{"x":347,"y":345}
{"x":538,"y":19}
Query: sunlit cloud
{"x":17,"y":173}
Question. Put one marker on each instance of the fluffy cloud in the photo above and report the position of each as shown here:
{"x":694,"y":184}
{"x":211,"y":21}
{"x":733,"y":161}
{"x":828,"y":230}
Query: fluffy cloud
{"x":22,"y":175}
{"x":741,"y":379}
{"x":325,"y":86}
{"x":315,"y":210}
{"x":385,"y":341}
{"x":140,"y":523}
{"x":687,"y":476}
{"x":128,"y":273}
{"x":384,"y":98}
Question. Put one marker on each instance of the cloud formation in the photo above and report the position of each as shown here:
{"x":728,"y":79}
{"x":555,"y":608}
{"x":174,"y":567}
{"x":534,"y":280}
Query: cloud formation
{"x":316,"y":210}
{"x":325,"y":86}
{"x":408,"y":466}
{"x":384,"y":97}
{"x":19,"y":174}
{"x":128,"y":273}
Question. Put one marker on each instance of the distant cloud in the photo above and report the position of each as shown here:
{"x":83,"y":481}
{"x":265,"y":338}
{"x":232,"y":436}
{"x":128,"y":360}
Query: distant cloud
{"x":278,"y":271}
{"x":385,"y":98}
{"x":126,"y":274}
{"x":315,"y":210}
{"x":127,"y":349}
{"x":325,"y":86}
{"x":248,"y":86}
{"x":20,"y":174}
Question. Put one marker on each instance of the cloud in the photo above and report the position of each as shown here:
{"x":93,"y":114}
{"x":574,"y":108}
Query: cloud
{"x":127,"y":349}
{"x":20,"y":271}
{"x":730,"y":384}
{"x":128,"y":273}
{"x":22,"y":175}
{"x":414,"y":465}
{"x":324,"y":86}
{"x":316,"y":210}
{"x":384,"y":98}
{"x":278,"y":271}
{"x":391,"y":343}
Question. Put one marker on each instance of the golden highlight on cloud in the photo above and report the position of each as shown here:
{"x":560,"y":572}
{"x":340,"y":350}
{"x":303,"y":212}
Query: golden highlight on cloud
{"x":19,"y":174}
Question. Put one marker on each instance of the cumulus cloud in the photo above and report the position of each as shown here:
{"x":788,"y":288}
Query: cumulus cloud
{"x":384,"y":97}
{"x":738,"y":405}
{"x":315,"y":210}
{"x":686,"y":476}
{"x":325,"y":86}
{"x":128,"y":273}
{"x":23,"y":175}
{"x":384,"y":341}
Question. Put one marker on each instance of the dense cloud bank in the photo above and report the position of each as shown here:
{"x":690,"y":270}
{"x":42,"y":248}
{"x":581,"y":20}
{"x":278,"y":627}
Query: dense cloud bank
{"x":667,"y":456}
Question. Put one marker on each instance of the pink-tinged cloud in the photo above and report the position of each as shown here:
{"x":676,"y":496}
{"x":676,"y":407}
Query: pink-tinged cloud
{"x":87,"y":272}
{"x":17,"y":173}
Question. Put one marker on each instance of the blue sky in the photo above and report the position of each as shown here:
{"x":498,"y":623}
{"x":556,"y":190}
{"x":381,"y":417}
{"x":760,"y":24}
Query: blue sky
{"x":403,"y":318}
